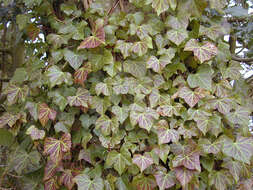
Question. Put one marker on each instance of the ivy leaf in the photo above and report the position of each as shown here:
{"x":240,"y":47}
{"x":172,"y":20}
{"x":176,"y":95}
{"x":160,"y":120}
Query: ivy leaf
{"x":139,"y":48}
{"x":210,"y":147}
{"x":124,"y":47}
{"x":183,"y":175}
{"x":46,"y":113}
{"x":50,"y":169}
{"x":66,"y":178}
{"x":74,"y":59}
{"x":223,"y":105}
{"x":202,"y":79}
{"x":204,"y":52}
{"x":156,"y":64}
{"x":81,"y":74}
{"x":50,"y":184}
{"x":15,"y":93}
{"x":85,"y":183}
{"x":190,"y":97}
{"x":102,"y":88}
{"x":95,"y":40}
{"x":118,"y":160}
{"x":57,"y":77}
{"x":239,"y":116}
{"x":8,"y":119}
{"x":121,"y":113}
{"x":144,"y":118}
{"x":23,"y":162}
{"x":188,"y":160}
{"x":241,"y":149}
{"x":106,"y":125}
{"x":165,"y":134}
{"x":80,"y":99}
{"x":56,"y":148}
{"x":136,"y":68}
{"x":160,"y":6}
{"x":143,"y":161}
{"x":177,"y":36}
{"x":164,"y":180}
{"x":235,"y":169}
{"x":35,"y":133}
{"x":219,"y":179}
{"x":33,"y":109}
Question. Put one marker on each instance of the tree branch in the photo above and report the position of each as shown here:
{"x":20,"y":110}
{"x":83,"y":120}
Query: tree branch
{"x":244,"y":60}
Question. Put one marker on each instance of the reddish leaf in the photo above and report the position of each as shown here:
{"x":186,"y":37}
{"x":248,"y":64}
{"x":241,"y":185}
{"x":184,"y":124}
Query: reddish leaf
{"x":142,"y":161}
{"x":50,"y":169}
{"x":50,"y":184}
{"x":165,"y":134}
{"x":35,"y":133}
{"x":15,"y":94}
{"x":142,"y":182}
{"x":55,"y":148}
{"x":33,"y":31}
{"x":190,"y":97}
{"x":183,"y":175}
{"x":80,"y":99}
{"x":81,"y":74}
{"x":188,"y":160}
{"x":96,"y":40}
{"x":45,"y":113}
{"x":66,"y":179}
{"x":8,"y":119}
{"x":209,"y":147}
{"x":164,"y":180}
{"x":204,"y":52}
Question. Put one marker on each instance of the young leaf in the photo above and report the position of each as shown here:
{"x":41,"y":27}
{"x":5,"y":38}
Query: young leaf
{"x":95,"y":40}
{"x":204,"y":52}
{"x":124,"y":48}
{"x":56,"y":148}
{"x":74,"y":59}
{"x":85,"y":183}
{"x":188,"y":160}
{"x":35,"y":133}
{"x":142,"y":161}
{"x":139,"y":48}
{"x":8,"y":119}
{"x":102,"y":88}
{"x":46,"y":113}
{"x":81,"y":74}
{"x":50,"y":169}
{"x":121,"y":113}
{"x":160,"y":6}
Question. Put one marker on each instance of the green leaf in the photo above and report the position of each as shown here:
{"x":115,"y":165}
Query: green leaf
{"x":219,"y":179}
{"x":121,"y":113}
{"x":102,"y":88}
{"x":210,"y":147}
{"x":118,"y":160}
{"x":188,"y":160}
{"x":85,"y":183}
{"x":6,"y":138}
{"x":139,"y":48}
{"x":160,"y":6}
{"x":143,"y":161}
{"x":239,"y":116}
{"x":235,"y":169}
{"x":23,"y":162}
{"x":124,"y":48}
{"x":202,"y":52}
{"x":8,"y":119}
{"x":190,"y":97}
{"x":241,"y":149}
{"x":57,"y":77}
{"x":136,"y":68}
{"x":75,"y":60}
{"x":202,"y":79}
{"x":177,"y":36}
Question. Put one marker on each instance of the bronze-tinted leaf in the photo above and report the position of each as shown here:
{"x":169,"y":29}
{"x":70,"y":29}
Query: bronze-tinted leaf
{"x":80,"y":99}
{"x":95,"y":40}
{"x":8,"y":119}
{"x":15,"y":93}
{"x":56,"y":148}
{"x":164,"y":180}
{"x":183,"y":175}
{"x":46,"y":113}
{"x":35,"y":133}
{"x":66,"y":179}
{"x":143,"y":161}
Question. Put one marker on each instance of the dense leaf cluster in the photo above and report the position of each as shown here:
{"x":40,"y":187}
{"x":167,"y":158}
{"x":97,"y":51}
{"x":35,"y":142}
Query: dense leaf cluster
{"x":126,"y":95}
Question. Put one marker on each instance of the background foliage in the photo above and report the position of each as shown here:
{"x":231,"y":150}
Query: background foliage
{"x":125,"y":94}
